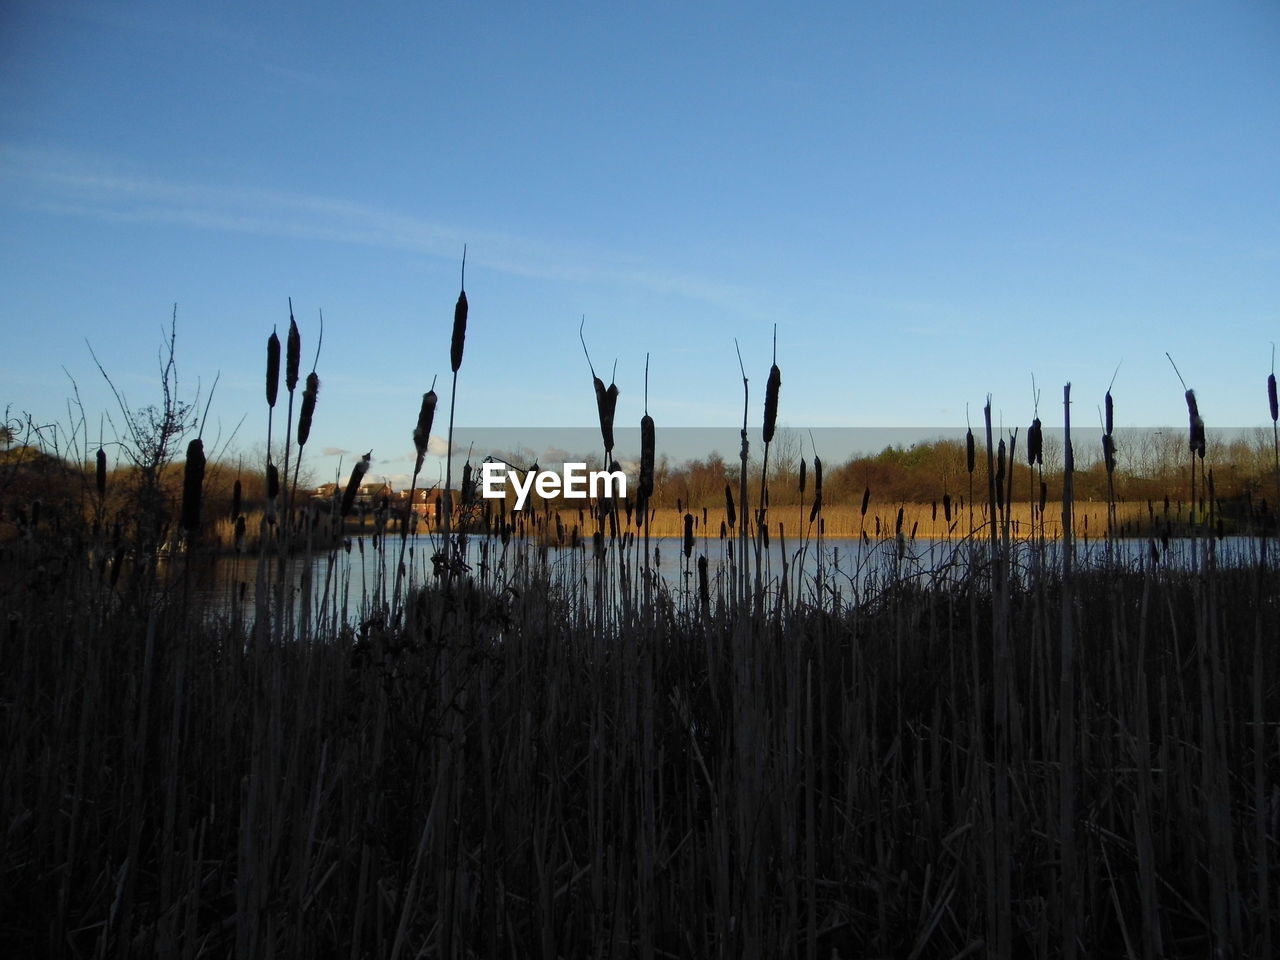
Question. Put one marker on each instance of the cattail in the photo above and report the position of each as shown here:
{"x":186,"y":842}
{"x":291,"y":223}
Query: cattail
{"x":1110,"y":415}
{"x":1197,"y":443}
{"x":771,"y":402}
{"x":459,"y":320}
{"x":730,"y":513}
{"x":459,"y":332}
{"x":422,"y":432}
{"x":1109,"y":452}
{"x":1271,"y":398}
{"x":1035,"y":443}
{"x":353,"y":484}
{"x":101,"y":477}
{"x":192,"y":483}
{"x":273,"y":368}
{"x":292,"y":354}
{"x":606,"y":401}
{"x":866,"y":500}
{"x":970,"y":454}
{"x":897,"y":526}
{"x":236,"y":494}
{"x":467,"y":488}
{"x":946,"y":507}
{"x":817,"y":489}
{"x":240,"y":529}
{"x":802,"y":477}
{"x":309,"y":394}
{"x":646,"y":458}
{"x":688,"y":535}
{"x":704,"y":588}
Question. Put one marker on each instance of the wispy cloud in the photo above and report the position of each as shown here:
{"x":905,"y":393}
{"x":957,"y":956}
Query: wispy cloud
{"x":69,"y":184}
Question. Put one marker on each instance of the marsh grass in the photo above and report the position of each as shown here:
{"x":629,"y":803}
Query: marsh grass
{"x":530,"y":757}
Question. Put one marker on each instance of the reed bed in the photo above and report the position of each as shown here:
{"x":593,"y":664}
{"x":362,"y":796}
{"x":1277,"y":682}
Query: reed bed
{"x":533,"y":745}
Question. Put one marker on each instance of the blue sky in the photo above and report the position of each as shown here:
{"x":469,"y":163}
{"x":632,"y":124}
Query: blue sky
{"x":932,"y":201}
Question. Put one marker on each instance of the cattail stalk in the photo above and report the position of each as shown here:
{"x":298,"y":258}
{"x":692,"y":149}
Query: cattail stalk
{"x":460,"y":310}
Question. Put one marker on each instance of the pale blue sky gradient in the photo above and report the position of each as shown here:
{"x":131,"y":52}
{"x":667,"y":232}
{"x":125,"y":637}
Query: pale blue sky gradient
{"x":932,"y":201}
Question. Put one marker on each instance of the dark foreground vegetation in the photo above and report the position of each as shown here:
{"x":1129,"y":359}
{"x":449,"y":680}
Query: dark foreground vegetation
{"x":524,"y":749}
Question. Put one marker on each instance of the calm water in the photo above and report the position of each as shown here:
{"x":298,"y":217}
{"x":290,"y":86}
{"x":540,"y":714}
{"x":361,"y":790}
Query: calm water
{"x":348,"y":582}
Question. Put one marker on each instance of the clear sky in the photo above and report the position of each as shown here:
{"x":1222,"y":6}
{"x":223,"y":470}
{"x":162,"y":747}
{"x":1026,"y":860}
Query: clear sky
{"x":933,"y":202}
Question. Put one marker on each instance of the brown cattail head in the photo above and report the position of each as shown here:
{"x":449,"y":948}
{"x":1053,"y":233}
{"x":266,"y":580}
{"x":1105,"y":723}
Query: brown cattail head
{"x":688,"y":535}
{"x":192,"y":485}
{"x":646,"y":458}
{"x":866,"y":500}
{"x":422,"y":432}
{"x":236,"y":499}
{"x":273,"y":481}
{"x":970,"y":453}
{"x":817,"y":489}
{"x":459,"y":331}
{"x":730,"y":513}
{"x":292,"y":354}
{"x":802,"y":476}
{"x":704,"y":587}
{"x":606,"y":402}
{"x":101,"y":472}
{"x":1271,"y":398}
{"x":946,"y":507}
{"x":771,"y":402}
{"x":309,"y":394}
{"x":1109,"y":452}
{"x":353,"y":484}
{"x":1197,"y":425}
{"x":1110,"y":415}
{"x":1035,"y":443}
{"x":273,"y":368}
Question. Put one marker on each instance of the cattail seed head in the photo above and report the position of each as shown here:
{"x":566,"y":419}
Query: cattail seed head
{"x":970,"y":452}
{"x":236,"y":499}
{"x":606,"y":402}
{"x":946,"y":507}
{"x":422,"y":432}
{"x":292,"y":354}
{"x":1109,"y":452}
{"x":647,"y":444}
{"x":101,"y":472}
{"x":1035,"y":443}
{"x":309,"y":394}
{"x":802,"y":476}
{"x":1110,"y":415}
{"x":688,"y":535}
{"x":273,"y":368}
{"x":1271,"y":398}
{"x":353,"y":484}
{"x":192,"y":485}
{"x":730,"y":513}
{"x":771,"y":402}
{"x":866,"y":500}
{"x":459,"y":331}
